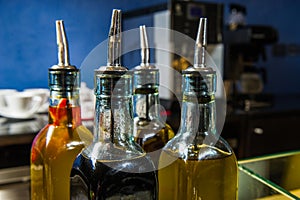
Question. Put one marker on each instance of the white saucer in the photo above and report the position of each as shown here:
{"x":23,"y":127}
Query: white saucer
{"x":14,"y":115}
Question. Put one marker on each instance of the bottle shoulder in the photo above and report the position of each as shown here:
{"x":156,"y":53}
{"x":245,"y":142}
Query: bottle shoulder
{"x":109,"y":151}
{"x":55,"y":143}
{"x":201,"y":147}
{"x":61,"y":136}
{"x":116,"y":157}
{"x":146,"y":128}
{"x":153,"y":124}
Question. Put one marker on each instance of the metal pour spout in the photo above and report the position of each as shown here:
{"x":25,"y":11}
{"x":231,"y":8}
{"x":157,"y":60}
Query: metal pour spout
{"x":201,"y":43}
{"x":62,"y":43}
{"x":63,"y":76}
{"x":144,"y":46}
{"x":114,"y":40}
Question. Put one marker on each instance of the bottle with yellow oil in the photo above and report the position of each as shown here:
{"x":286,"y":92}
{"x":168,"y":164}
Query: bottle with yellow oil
{"x":56,"y":146}
{"x":197,"y":163}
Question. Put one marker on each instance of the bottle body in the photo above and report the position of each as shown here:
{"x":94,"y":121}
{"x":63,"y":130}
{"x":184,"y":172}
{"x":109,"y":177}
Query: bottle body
{"x":214,"y":178}
{"x":113,"y":166}
{"x":54,"y":150}
{"x":152,"y":135}
{"x":119,"y":179}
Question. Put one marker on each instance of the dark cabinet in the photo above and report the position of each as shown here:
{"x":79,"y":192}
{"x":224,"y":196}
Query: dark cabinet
{"x":15,"y":155}
{"x":259,"y":133}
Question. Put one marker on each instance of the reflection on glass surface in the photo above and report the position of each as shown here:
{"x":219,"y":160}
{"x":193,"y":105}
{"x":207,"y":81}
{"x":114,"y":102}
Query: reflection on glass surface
{"x":279,"y":174}
{"x":25,"y":126}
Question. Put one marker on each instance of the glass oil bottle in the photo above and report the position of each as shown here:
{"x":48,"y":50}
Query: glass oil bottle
{"x":197,"y":163}
{"x":150,"y":130}
{"x":56,"y":146}
{"x":114,"y":166}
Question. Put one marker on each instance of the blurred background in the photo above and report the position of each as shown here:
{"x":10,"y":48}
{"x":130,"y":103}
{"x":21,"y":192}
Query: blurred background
{"x":28,"y":46}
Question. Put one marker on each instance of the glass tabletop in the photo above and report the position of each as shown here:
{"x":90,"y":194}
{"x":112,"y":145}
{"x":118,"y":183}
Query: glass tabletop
{"x":274,"y":176}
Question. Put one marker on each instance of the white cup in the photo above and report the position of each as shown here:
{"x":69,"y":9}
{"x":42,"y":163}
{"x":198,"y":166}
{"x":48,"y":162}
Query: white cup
{"x":4,"y":92}
{"x":22,"y":102}
{"x":43,"y":93}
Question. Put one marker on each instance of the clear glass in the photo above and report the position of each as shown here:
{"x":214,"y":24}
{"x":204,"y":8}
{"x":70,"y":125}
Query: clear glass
{"x":151,"y":132}
{"x":56,"y":146}
{"x":113,"y":166}
{"x":197,"y":163}
{"x":279,"y":172}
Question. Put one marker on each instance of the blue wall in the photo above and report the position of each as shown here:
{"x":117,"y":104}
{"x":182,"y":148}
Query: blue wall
{"x":28,"y":41}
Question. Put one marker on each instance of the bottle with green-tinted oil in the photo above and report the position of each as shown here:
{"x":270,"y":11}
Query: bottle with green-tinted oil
{"x":151,"y":132}
{"x":197,"y":163}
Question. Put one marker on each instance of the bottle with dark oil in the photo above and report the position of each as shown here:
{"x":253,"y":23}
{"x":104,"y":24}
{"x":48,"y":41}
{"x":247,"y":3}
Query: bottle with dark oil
{"x":151,"y":132}
{"x":114,"y":166}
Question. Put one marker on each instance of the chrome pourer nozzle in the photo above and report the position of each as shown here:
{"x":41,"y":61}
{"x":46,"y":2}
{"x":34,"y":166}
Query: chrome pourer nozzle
{"x":201,"y":43}
{"x":62,"y":43}
{"x":114,"y":40}
{"x":144,"y":46}
{"x":63,"y":76}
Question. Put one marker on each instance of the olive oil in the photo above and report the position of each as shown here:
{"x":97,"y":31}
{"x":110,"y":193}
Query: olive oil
{"x":213,"y":178}
{"x":151,"y":133}
{"x":52,"y":155}
{"x":151,"y":138}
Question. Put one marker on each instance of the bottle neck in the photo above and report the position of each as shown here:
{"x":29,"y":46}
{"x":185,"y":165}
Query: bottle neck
{"x":113,"y":119}
{"x":146,"y":98}
{"x":198,"y":114}
{"x":147,"y":103}
{"x":113,"y":112}
{"x":64,"y":107}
